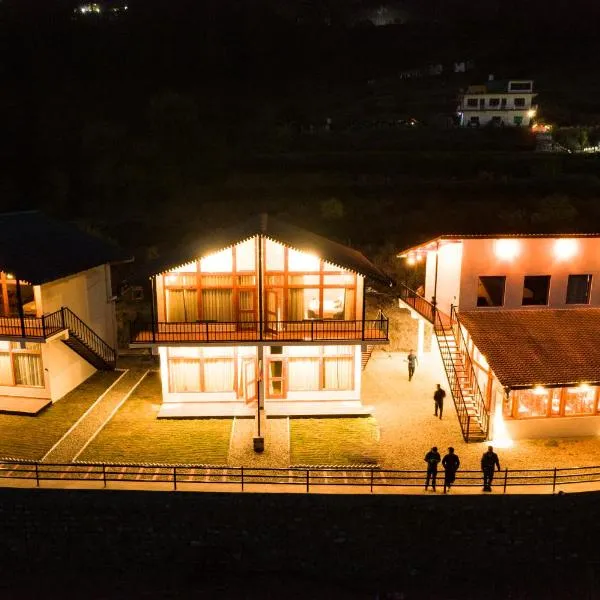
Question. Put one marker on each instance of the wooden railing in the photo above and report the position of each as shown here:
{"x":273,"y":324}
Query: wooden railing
{"x":196,"y":477}
{"x":371,"y":330}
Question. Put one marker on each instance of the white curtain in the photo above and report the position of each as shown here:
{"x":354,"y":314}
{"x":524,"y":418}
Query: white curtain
{"x":218,"y":375}
{"x":338,"y":373}
{"x":5,"y":369}
{"x":182,"y":305}
{"x":303,"y":374}
{"x":28,"y":369}
{"x":296,"y":304}
{"x":217,"y":305}
{"x":184,"y":375}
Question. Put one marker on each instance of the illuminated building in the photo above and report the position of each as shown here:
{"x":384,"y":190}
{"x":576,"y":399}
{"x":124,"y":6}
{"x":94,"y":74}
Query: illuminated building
{"x":57,"y":314}
{"x":267,"y":312}
{"x":517,"y":323}
{"x":498,"y":103}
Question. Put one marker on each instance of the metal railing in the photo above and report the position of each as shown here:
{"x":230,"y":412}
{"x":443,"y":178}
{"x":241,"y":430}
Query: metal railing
{"x":309,"y":479}
{"x":414,"y":300}
{"x":235,"y":331}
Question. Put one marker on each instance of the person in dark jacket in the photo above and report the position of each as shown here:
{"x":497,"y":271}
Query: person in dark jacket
{"x":451,"y":463}
{"x":438,"y":398}
{"x":489,"y":461}
{"x":432,"y":458}
{"x":412,"y":361}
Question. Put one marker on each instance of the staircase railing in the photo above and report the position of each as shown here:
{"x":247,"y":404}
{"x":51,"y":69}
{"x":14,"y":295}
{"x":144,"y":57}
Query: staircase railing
{"x":87,"y":336}
{"x":423,"y":307}
{"x":462,"y":347}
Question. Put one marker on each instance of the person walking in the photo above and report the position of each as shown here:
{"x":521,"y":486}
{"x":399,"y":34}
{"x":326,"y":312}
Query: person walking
{"x":432,"y":458}
{"x":489,"y":460}
{"x":412,"y":361}
{"x":451,"y":464}
{"x":438,"y":398}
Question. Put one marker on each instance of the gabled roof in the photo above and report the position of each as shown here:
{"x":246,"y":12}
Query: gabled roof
{"x":431,"y":243}
{"x":528,"y":347}
{"x":39,"y":249}
{"x":278,"y":231}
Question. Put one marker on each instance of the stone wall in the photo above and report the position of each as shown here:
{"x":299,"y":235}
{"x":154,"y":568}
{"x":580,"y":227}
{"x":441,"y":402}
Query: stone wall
{"x":403,"y":328}
{"x":461,"y":544}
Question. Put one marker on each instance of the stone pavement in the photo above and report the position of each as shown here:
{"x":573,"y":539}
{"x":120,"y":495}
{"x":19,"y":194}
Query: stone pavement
{"x":91,"y":422}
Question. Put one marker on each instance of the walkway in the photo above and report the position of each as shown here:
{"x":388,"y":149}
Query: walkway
{"x":76,"y":439}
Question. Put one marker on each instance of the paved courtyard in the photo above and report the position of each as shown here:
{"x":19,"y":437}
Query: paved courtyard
{"x":112,"y":418}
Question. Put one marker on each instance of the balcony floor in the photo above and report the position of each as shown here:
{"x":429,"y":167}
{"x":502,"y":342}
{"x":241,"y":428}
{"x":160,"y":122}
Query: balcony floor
{"x":19,"y":405}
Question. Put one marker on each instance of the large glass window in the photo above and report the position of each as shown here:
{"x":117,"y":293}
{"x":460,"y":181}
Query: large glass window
{"x":580,"y":400}
{"x":201,"y":369}
{"x":319,"y":368}
{"x":490,"y":291}
{"x":9,"y":303}
{"x":578,"y":289}
{"x":535,"y":290}
{"x":21,"y":364}
{"x":553,"y":402}
{"x":531,"y":403}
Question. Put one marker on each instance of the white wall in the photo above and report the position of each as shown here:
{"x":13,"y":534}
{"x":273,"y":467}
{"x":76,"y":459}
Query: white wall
{"x":64,"y":369}
{"x":448,"y":275}
{"x":519,"y":429}
{"x":88,"y":295}
{"x":536,"y":256}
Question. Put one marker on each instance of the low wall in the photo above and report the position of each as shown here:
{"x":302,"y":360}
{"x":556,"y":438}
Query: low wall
{"x":363,"y":541}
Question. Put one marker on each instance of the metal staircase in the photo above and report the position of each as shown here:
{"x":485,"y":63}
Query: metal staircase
{"x":366,"y":355}
{"x":473,"y":416}
{"x":86,"y":342}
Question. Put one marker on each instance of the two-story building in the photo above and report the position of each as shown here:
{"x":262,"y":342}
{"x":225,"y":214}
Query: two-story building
{"x":498,"y":103}
{"x":57,"y":315}
{"x":517,"y":320}
{"x":266,"y":311}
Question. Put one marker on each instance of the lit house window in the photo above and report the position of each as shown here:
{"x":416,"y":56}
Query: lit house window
{"x":490,"y":291}
{"x":316,"y":368}
{"x":21,"y":364}
{"x":578,"y":289}
{"x":535,"y":290}
{"x":201,"y":369}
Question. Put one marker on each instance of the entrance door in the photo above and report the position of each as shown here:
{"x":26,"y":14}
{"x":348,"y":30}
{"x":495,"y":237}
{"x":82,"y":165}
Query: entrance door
{"x":249,"y":383}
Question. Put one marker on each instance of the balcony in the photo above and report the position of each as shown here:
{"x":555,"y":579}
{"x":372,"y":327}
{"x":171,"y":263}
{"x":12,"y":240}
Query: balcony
{"x":31,"y":328}
{"x":212,"y":332}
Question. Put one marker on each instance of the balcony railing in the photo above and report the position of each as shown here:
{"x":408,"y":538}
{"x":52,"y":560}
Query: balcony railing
{"x":312,"y":330}
{"x":32,"y":328}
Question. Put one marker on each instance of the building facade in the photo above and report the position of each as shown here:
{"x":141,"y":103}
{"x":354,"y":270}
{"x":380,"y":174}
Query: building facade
{"x":498,"y":103}
{"x":268,"y":314}
{"x":519,"y":317}
{"x":57,"y":316}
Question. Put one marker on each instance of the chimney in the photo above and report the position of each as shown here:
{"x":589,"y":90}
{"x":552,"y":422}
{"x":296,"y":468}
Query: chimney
{"x":491,"y":77}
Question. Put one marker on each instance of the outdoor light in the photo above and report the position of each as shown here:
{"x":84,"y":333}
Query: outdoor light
{"x":410,"y":260}
{"x":531,"y":113}
{"x":506,"y":249}
{"x":584,"y":387}
{"x":539,"y":390}
{"x":565,"y":248}
{"x":419,"y":257}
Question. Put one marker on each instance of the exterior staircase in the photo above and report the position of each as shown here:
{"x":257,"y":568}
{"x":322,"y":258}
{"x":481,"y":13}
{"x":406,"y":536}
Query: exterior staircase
{"x":86,"y":342}
{"x":366,"y":355}
{"x":472,"y":413}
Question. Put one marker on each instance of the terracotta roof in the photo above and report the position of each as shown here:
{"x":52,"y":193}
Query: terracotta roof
{"x":279,"y":231}
{"x":545,"y":346}
{"x":39,"y":249}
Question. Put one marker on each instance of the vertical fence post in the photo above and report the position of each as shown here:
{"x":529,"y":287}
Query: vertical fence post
{"x":104,"y":473}
{"x":37,"y":476}
{"x":554,"y":481}
{"x":307,"y":481}
{"x":371,"y":481}
{"x":505,"y":478}
{"x":242,"y":478}
{"x":175,"y":478}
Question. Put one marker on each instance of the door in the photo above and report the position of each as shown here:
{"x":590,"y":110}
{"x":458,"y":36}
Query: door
{"x":246,"y":309}
{"x":249,"y":383}
{"x":275,"y":376}
{"x":273,"y":311}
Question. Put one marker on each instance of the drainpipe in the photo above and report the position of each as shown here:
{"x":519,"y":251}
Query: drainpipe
{"x":20,"y":306}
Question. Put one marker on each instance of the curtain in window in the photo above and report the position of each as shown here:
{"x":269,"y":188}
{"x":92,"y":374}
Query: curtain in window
{"x":296,"y":304}
{"x":182,"y":305}
{"x":218,"y":375}
{"x":217,"y":305}
{"x":28,"y":369}
{"x":303,"y":374}
{"x":5,"y":369}
{"x":349,"y":305}
{"x":184,"y":375}
{"x":337,"y":373}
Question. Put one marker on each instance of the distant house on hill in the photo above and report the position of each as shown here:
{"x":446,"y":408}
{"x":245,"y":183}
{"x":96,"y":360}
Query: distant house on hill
{"x":498,"y":103}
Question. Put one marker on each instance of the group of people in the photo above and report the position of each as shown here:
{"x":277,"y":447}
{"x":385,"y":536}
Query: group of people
{"x":451,"y":463}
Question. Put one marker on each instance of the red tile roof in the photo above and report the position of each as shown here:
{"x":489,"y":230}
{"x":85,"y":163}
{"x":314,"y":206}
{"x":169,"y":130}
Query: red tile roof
{"x":527,"y":347}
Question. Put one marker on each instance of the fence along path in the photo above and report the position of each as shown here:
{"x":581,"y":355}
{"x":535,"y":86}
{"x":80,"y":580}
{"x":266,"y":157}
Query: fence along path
{"x":296,"y":479}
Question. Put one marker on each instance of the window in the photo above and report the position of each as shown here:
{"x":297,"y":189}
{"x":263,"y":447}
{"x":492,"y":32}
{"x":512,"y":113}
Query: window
{"x":520,"y":86}
{"x":519,"y":102}
{"x":494,"y":102}
{"x":531,"y":403}
{"x":535,"y":290}
{"x":490,"y":291}
{"x":518,"y":121}
{"x":474,"y":122}
{"x":9,"y":303}
{"x":21,"y":364}
{"x":321,"y":368}
{"x":578,"y":289}
{"x":580,"y":400}
{"x":472,"y":102}
{"x":553,"y":402}
{"x":201,"y":369}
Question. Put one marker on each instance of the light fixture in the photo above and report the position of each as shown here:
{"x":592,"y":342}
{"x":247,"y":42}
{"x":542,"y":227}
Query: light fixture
{"x":539,"y":390}
{"x":410,"y":260}
{"x":531,"y":113}
{"x":584,"y":387}
{"x":419,"y":257}
{"x":565,"y":248}
{"x":507,"y":249}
